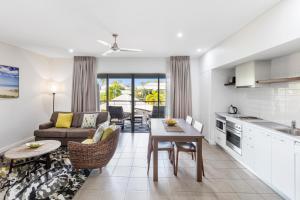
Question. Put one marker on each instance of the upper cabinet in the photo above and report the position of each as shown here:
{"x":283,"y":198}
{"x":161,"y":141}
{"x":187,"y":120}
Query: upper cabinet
{"x":248,"y":73}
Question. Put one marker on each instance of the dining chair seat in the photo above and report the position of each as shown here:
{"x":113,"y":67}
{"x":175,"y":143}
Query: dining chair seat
{"x":165,"y":145}
{"x":185,"y":145}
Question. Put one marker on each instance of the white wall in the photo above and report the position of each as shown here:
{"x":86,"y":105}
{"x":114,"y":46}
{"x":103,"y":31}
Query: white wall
{"x":132,"y":65}
{"x":19,"y":117}
{"x":275,"y":102}
{"x":278,"y":26}
{"x":62,"y":73}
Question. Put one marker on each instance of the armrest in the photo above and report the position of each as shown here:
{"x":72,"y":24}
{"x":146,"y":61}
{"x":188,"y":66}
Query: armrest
{"x":46,"y":125}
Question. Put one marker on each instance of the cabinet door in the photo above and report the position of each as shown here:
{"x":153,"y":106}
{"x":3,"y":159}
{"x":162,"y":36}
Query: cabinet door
{"x":248,"y":153}
{"x":283,"y":165}
{"x":262,"y":165}
{"x":220,"y":138}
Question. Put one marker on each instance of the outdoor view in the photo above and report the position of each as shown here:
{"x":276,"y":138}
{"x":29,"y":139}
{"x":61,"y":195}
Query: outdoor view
{"x":146,"y":94}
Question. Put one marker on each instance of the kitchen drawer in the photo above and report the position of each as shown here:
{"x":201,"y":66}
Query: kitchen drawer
{"x":221,"y":138}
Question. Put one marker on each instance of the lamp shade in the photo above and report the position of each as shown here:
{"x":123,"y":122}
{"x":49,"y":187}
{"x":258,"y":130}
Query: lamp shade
{"x":53,"y":87}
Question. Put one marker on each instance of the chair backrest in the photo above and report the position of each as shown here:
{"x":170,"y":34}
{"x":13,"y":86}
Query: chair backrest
{"x":158,"y":113}
{"x":116,"y":112}
{"x":198,"y":126}
{"x":189,"y":120}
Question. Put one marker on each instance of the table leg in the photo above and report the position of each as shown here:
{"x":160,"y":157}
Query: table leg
{"x":199,"y":160}
{"x":155,"y":160}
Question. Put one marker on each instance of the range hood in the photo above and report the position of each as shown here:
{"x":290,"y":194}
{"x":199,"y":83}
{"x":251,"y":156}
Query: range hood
{"x":247,"y":74}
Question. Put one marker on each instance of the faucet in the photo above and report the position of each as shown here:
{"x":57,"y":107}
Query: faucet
{"x":293,"y":124}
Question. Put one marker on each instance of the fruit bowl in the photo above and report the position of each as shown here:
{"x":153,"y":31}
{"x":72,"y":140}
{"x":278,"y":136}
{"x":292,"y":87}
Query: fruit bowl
{"x":171,"y":122}
{"x":34,"y":145}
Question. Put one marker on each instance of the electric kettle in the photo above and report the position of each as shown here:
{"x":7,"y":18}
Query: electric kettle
{"x":232,"y":110}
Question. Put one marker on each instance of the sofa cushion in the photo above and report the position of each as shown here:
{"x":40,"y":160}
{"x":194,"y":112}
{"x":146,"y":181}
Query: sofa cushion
{"x":51,"y":132}
{"x":55,"y":115}
{"x":89,"y":120}
{"x":64,"y":120}
{"x":78,"y":132}
{"x":77,"y":119}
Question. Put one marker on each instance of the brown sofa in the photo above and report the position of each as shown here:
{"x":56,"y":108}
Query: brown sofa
{"x":47,"y":131}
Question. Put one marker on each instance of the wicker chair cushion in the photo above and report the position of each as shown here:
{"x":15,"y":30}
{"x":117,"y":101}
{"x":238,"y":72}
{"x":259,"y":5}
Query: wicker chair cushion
{"x":99,"y":132}
{"x":88,"y":141}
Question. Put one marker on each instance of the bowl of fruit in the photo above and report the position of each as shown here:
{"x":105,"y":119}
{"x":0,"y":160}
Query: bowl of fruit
{"x":171,"y":122}
{"x":34,"y":145}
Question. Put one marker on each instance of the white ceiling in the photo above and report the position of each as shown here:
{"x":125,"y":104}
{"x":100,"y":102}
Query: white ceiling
{"x":51,"y":27}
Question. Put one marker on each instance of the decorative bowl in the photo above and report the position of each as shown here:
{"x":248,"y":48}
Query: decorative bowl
{"x":171,"y":122}
{"x":34,"y":145}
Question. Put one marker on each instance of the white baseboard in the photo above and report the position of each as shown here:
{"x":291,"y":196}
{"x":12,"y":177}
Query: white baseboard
{"x":3,"y":149}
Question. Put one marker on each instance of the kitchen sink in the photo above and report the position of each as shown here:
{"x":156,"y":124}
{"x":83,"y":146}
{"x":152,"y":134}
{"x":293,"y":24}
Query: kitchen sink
{"x":290,"y":131}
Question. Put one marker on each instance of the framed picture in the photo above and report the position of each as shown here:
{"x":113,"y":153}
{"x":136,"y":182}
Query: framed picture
{"x":9,"y":82}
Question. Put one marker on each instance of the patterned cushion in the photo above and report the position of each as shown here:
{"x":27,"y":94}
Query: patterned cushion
{"x":89,"y":120}
{"x":99,"y":131}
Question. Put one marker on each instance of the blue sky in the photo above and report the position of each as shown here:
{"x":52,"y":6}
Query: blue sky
{"x":9,"y":76}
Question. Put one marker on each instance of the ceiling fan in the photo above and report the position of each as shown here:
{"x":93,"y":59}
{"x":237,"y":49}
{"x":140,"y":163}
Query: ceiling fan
{"x":114,"y":47}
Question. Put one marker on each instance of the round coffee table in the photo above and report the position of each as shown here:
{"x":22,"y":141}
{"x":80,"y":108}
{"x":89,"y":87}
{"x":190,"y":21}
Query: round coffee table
{"x":23,"y":152}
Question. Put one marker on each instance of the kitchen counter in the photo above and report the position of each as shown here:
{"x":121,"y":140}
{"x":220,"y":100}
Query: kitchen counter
{"x":261,"y":123}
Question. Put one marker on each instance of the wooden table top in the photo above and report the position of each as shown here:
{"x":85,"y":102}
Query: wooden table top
{"x":23,"y":151}
{"x":158,"y":130}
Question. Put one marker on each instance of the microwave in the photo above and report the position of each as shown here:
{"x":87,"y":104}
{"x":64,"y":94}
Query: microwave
{"x":221,"y":125}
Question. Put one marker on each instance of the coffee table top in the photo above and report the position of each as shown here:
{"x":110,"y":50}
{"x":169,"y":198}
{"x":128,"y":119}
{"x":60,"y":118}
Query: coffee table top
{"x":23,"y":151}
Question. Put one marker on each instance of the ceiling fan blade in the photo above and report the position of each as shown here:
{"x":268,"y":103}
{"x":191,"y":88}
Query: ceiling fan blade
{"x":104,"y":43}
{"x":107,"y":52}
{"x":132,"y":50}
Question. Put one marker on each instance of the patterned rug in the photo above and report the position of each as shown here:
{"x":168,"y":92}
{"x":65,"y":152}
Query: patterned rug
{"x":33,"y":181}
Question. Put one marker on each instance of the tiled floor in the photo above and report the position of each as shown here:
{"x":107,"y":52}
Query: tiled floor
{"x":125,"y":177}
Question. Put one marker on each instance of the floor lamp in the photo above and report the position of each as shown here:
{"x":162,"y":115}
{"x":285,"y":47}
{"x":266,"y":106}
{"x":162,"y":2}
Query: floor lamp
{"x":53,"y":90}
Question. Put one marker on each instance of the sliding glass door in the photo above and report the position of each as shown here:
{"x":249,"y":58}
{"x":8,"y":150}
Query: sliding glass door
{"x":141,"y":96}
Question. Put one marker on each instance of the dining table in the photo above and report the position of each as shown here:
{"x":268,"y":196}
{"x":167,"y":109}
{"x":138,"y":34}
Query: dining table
{"x":185,"y":133}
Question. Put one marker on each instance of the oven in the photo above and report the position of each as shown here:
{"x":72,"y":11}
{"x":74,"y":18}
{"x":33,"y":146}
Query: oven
{"x":233,"y":136}
{"x":221,"y":124}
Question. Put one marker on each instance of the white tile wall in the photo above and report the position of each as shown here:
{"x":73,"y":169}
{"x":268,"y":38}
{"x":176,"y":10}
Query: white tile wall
{"x":275,"y":102}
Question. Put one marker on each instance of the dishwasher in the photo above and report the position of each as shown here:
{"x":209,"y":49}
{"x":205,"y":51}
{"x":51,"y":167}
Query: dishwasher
{"x":297,"y":170}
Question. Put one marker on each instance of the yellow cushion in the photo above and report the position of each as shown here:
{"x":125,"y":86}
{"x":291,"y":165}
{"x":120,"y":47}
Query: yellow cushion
{"x":88,"y":141}
{"x":107,"y":132}
{"x":64,"y":120}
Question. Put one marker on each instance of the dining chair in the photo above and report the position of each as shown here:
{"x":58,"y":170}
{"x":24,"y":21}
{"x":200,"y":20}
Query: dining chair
{"x":189,"y":120}
{"x":162,"y":146}
{"x":189,"y":147}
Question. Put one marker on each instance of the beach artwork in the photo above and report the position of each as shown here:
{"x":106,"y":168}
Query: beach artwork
{"x":9,"y":82}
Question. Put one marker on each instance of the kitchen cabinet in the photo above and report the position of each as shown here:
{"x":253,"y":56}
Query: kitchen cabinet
{"x":263,"y":154}
{"x":248,"y":149}
{"x":248,"y":73}
{"x":283,"y":164}
{"x":220,"y":138}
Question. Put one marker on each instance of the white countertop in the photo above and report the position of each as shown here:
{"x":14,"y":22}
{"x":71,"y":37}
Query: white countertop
{"x":271,"y":127}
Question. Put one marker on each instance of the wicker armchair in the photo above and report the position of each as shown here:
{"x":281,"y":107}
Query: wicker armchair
{"x":92,"y":156}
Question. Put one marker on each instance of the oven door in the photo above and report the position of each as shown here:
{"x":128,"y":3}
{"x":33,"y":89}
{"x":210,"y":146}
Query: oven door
{"x":233,"y":141}
{"x":221,"y":125}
